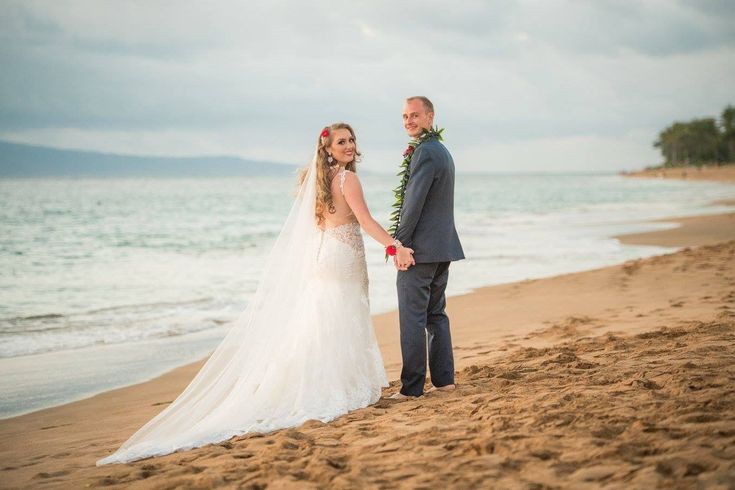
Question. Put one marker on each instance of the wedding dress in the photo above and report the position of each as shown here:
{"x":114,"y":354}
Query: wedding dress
{"x":304,"y":349}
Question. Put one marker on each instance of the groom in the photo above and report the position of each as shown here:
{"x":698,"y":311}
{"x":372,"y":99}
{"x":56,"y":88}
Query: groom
{"x":426,"y":225}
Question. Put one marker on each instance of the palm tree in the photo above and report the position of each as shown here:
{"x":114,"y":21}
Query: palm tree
{"x":727,"y":124}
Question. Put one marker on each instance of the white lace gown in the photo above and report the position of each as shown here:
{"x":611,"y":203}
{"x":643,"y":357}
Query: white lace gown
{"x":328,"y":364}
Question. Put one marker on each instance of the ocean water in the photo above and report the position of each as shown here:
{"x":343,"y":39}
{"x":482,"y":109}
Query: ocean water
{"x":108,"y":282}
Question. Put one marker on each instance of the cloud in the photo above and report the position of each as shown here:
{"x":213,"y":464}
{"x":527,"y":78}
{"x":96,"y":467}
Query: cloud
{"x":554,"y":154}
{"x":544,"y":80}
{"x":655,"y":28}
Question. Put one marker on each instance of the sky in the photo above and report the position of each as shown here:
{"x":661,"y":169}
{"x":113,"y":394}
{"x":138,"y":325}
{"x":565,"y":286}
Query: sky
{"x":519,"y":86}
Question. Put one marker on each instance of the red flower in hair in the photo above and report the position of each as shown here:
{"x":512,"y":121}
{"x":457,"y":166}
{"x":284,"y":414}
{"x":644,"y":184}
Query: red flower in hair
{"x":325,"y":133}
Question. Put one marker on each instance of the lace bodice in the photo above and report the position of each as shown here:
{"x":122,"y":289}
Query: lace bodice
{"x":348,"y":233}
{"x":341,"y":255}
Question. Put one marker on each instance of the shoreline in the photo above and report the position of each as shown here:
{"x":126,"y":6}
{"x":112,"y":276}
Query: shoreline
{"x":724,"y":173}
{"x":57,"y":445}
{"x":692,"y":231}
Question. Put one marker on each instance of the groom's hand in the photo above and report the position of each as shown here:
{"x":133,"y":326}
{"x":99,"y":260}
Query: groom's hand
{"x":404,"y":258}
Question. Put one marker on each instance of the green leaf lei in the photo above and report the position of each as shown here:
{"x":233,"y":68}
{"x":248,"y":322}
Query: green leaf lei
{"x":400,"y":191}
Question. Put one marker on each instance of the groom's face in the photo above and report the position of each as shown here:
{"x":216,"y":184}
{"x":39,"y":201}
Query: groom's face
{"x":416,"y":118}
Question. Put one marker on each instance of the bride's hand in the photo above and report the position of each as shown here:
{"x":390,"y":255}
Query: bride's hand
{"x":404,"y":258}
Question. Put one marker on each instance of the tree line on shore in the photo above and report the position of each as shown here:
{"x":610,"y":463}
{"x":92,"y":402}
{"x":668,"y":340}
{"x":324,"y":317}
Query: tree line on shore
{"x":699,"y":141}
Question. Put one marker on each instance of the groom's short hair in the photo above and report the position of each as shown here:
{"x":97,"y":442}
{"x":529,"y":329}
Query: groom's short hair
{"x":425,"y":100}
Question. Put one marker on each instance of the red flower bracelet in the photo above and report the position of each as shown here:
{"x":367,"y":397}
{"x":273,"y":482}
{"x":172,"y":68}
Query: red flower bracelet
{"x":393,"y":248}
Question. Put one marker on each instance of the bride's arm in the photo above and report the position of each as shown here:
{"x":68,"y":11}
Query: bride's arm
{"x":352,"y":191}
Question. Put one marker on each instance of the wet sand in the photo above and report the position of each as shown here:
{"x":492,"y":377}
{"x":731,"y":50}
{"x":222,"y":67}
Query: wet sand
{"x":693,"y":231}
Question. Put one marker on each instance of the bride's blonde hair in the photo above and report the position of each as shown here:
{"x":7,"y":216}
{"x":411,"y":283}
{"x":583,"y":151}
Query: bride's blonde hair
{"x":324,"y":201}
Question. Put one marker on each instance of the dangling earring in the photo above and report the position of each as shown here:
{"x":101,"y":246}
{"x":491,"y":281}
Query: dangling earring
{"x":329,"y":158}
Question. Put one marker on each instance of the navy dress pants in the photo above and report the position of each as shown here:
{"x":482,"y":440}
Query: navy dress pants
{"x":421,"y":304}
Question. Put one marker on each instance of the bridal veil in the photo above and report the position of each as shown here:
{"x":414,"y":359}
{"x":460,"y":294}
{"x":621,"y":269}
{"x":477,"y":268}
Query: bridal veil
{"x":239,"y":388}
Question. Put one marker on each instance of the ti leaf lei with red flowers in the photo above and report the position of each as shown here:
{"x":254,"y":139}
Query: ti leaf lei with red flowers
{"x":400,"y":191}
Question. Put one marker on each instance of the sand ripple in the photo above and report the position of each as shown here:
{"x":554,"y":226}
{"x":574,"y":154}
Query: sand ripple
{"x":651,"y":410}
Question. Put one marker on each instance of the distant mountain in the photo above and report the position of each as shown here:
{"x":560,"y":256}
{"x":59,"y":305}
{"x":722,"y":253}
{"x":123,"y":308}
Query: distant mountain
{"x":18,"y":160}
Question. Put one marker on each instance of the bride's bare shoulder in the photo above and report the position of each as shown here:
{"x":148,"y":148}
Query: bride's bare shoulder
{"x":343,"y":177}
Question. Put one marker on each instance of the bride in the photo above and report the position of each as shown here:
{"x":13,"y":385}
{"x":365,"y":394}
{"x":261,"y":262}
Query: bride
{"x":305,"y":348}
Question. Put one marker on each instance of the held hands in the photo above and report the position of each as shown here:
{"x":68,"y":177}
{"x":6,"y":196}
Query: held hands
{"x":403,"y":259}
{"x":402,"y":256}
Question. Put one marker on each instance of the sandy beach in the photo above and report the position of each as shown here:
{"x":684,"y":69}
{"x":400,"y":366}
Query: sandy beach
{"x":622,"y":376}
{"x":711,"y":173}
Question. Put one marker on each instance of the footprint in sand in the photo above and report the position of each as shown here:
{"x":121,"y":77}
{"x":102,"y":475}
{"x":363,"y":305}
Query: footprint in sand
{"x":53,"y":474}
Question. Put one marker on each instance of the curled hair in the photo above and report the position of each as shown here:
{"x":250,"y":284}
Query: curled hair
{"x":324,"y":199}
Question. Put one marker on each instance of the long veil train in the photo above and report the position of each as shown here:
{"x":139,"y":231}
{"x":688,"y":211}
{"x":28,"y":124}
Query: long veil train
{"x":262,"y":375}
